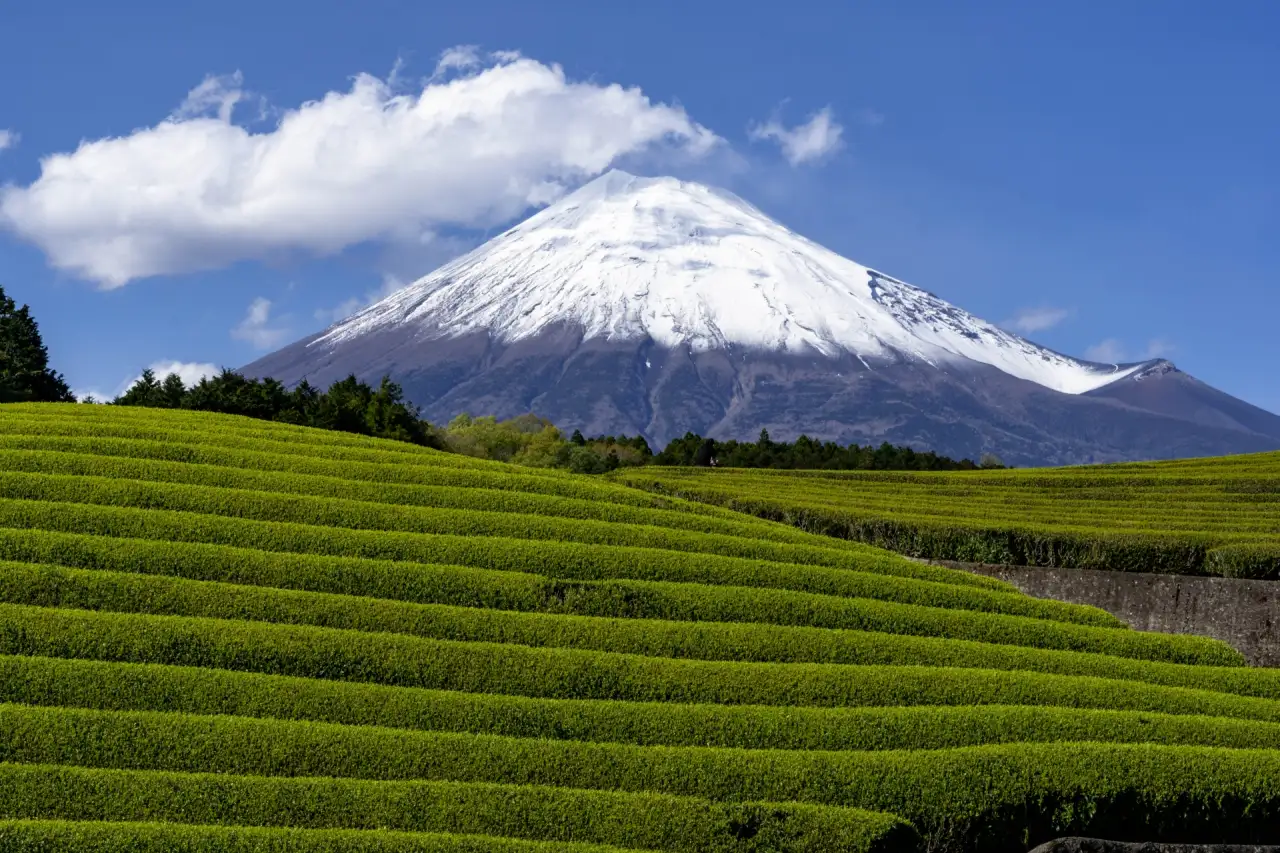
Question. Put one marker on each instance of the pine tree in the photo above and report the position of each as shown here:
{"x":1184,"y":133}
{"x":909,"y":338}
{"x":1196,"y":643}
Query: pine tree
{"x":24,"y":361}
{"x":146,"y":391}
{"x":706,"y":453}
{"x":172,"y":392}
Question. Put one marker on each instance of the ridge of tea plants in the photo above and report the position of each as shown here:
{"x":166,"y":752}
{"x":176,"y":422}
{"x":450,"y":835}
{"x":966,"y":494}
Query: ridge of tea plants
{"x":1209,"y":516}
{"x":227,"y":634}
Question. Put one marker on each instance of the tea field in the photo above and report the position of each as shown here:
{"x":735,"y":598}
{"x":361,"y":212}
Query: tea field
{"x":1215,"y":516}
{"x":222,"y":634}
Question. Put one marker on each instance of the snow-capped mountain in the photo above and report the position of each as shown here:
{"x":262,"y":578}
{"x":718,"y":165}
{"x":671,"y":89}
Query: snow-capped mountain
{"x":657,"y":306}
{"x":684,"y":265}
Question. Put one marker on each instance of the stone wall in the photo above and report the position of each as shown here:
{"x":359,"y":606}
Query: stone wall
{"x":1243,"y":613}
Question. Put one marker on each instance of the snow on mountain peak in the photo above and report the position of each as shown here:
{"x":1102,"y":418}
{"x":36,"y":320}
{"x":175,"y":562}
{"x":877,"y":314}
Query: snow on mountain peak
{"x":691,"y":266}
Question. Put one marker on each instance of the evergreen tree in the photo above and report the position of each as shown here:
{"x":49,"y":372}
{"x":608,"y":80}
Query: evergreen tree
{"x":706,"y":453}
{"x":387,"y":415}
{"x":803,"y":453}
{"x":145,"y":391}
{"x":172,"y":391}
{"x":25,"y":375}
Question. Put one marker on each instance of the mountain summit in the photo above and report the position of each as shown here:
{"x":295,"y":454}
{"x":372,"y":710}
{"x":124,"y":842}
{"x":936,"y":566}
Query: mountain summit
{"x":684,"y":265}
{"x":659,"y":306}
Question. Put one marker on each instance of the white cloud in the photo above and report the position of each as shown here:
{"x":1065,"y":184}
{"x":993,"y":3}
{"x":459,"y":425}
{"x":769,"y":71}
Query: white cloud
{"x":814,"y":139}
{"x":390,"y":284}
{"x":256,"y":328}
{"x":8,"y":139}
{"x":190,"y":372}
{"x":460,"y":58}
{"x":1112,"y":351}
{"x":1031,"y":320}
{"x":474,"y":147}
{"x":216,"y":95}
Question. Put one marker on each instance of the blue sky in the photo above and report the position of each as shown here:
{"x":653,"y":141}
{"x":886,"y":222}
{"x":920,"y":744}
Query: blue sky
{"x":201,"y":184}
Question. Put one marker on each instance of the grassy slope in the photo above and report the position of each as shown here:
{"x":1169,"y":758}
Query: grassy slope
{"x":219,"y":634}
{"x":1217,"y":516}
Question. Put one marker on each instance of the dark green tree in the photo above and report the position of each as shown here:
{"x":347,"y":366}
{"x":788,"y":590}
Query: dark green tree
{"x":145,"y":391}
{"x":25,"y":375}
{"x":172,"y":391}
{"x":706,"y":453}
{"x":388,"y":416}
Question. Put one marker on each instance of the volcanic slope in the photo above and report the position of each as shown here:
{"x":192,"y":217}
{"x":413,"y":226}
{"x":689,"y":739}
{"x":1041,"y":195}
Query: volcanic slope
{"x":221,"y":634}
{"x":656,"y":306}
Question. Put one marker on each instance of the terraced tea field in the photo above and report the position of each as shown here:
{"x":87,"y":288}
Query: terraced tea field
{"x":220,"y":634}
{"x":1218,"y":516}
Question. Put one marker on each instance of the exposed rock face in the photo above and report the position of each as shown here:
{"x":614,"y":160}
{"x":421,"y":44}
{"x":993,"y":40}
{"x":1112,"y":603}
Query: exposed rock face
{"x":657,"y":307}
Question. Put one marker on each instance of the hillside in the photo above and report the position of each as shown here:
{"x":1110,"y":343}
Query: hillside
{"x":658,"y":307}
{"x":223,"y":634}
{"x":1215,"y":516}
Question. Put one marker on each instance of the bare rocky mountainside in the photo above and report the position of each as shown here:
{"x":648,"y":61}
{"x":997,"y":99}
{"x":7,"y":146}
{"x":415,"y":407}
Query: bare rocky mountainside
{"x":659,"y":307}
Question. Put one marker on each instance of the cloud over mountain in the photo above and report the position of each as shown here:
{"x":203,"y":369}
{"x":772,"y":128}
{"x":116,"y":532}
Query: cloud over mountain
{"x":483,"y":139}
{"x":813,"y":140}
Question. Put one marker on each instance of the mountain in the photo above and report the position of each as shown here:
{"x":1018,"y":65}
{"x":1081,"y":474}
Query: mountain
{"x":656,"y":306}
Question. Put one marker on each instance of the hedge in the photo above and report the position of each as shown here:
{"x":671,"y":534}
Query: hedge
{"x":450,"y":496}
{"x":1005,"y":537}
{"x":573,"y":560}
{"x":342,"y":514}
{"x":210,"y":452}
{"x":292,"y":443}
{"x":1245,"y":560}
{"x":1015,"y":544}
{"x":52,"y":415}
{"x":128,"y":592}
{"x":630,"y":820}
{"x":992,"y":795}
{"x":445,"y":584}
{"x":60,"y":836}
{"x":152,"y":687}
{"x":133,"y":740}
{"x":397,"y":660}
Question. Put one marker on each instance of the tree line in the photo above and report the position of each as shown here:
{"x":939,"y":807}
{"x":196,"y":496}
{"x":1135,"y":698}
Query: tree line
{"x":348,"y":405}
{"x":352,"y":405}
{"x":810,"y":453}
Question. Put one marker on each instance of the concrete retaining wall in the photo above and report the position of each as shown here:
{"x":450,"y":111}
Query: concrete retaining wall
{"x":1243,"y":613}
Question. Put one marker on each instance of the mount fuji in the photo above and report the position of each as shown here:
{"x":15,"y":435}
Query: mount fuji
{"x":657,"y":306}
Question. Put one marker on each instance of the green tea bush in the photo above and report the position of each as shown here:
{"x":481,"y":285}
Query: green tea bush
{"x":574,"y":560}
{"x":150,"y":687}
{"x":340,"y":513}
{"x":220,"y":634}
{"x":471,"y":667}
{"x":60,"y":836}
{"x":55,"y":586}
{"x":631,"y":820}
{"x":1086,"y":517}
